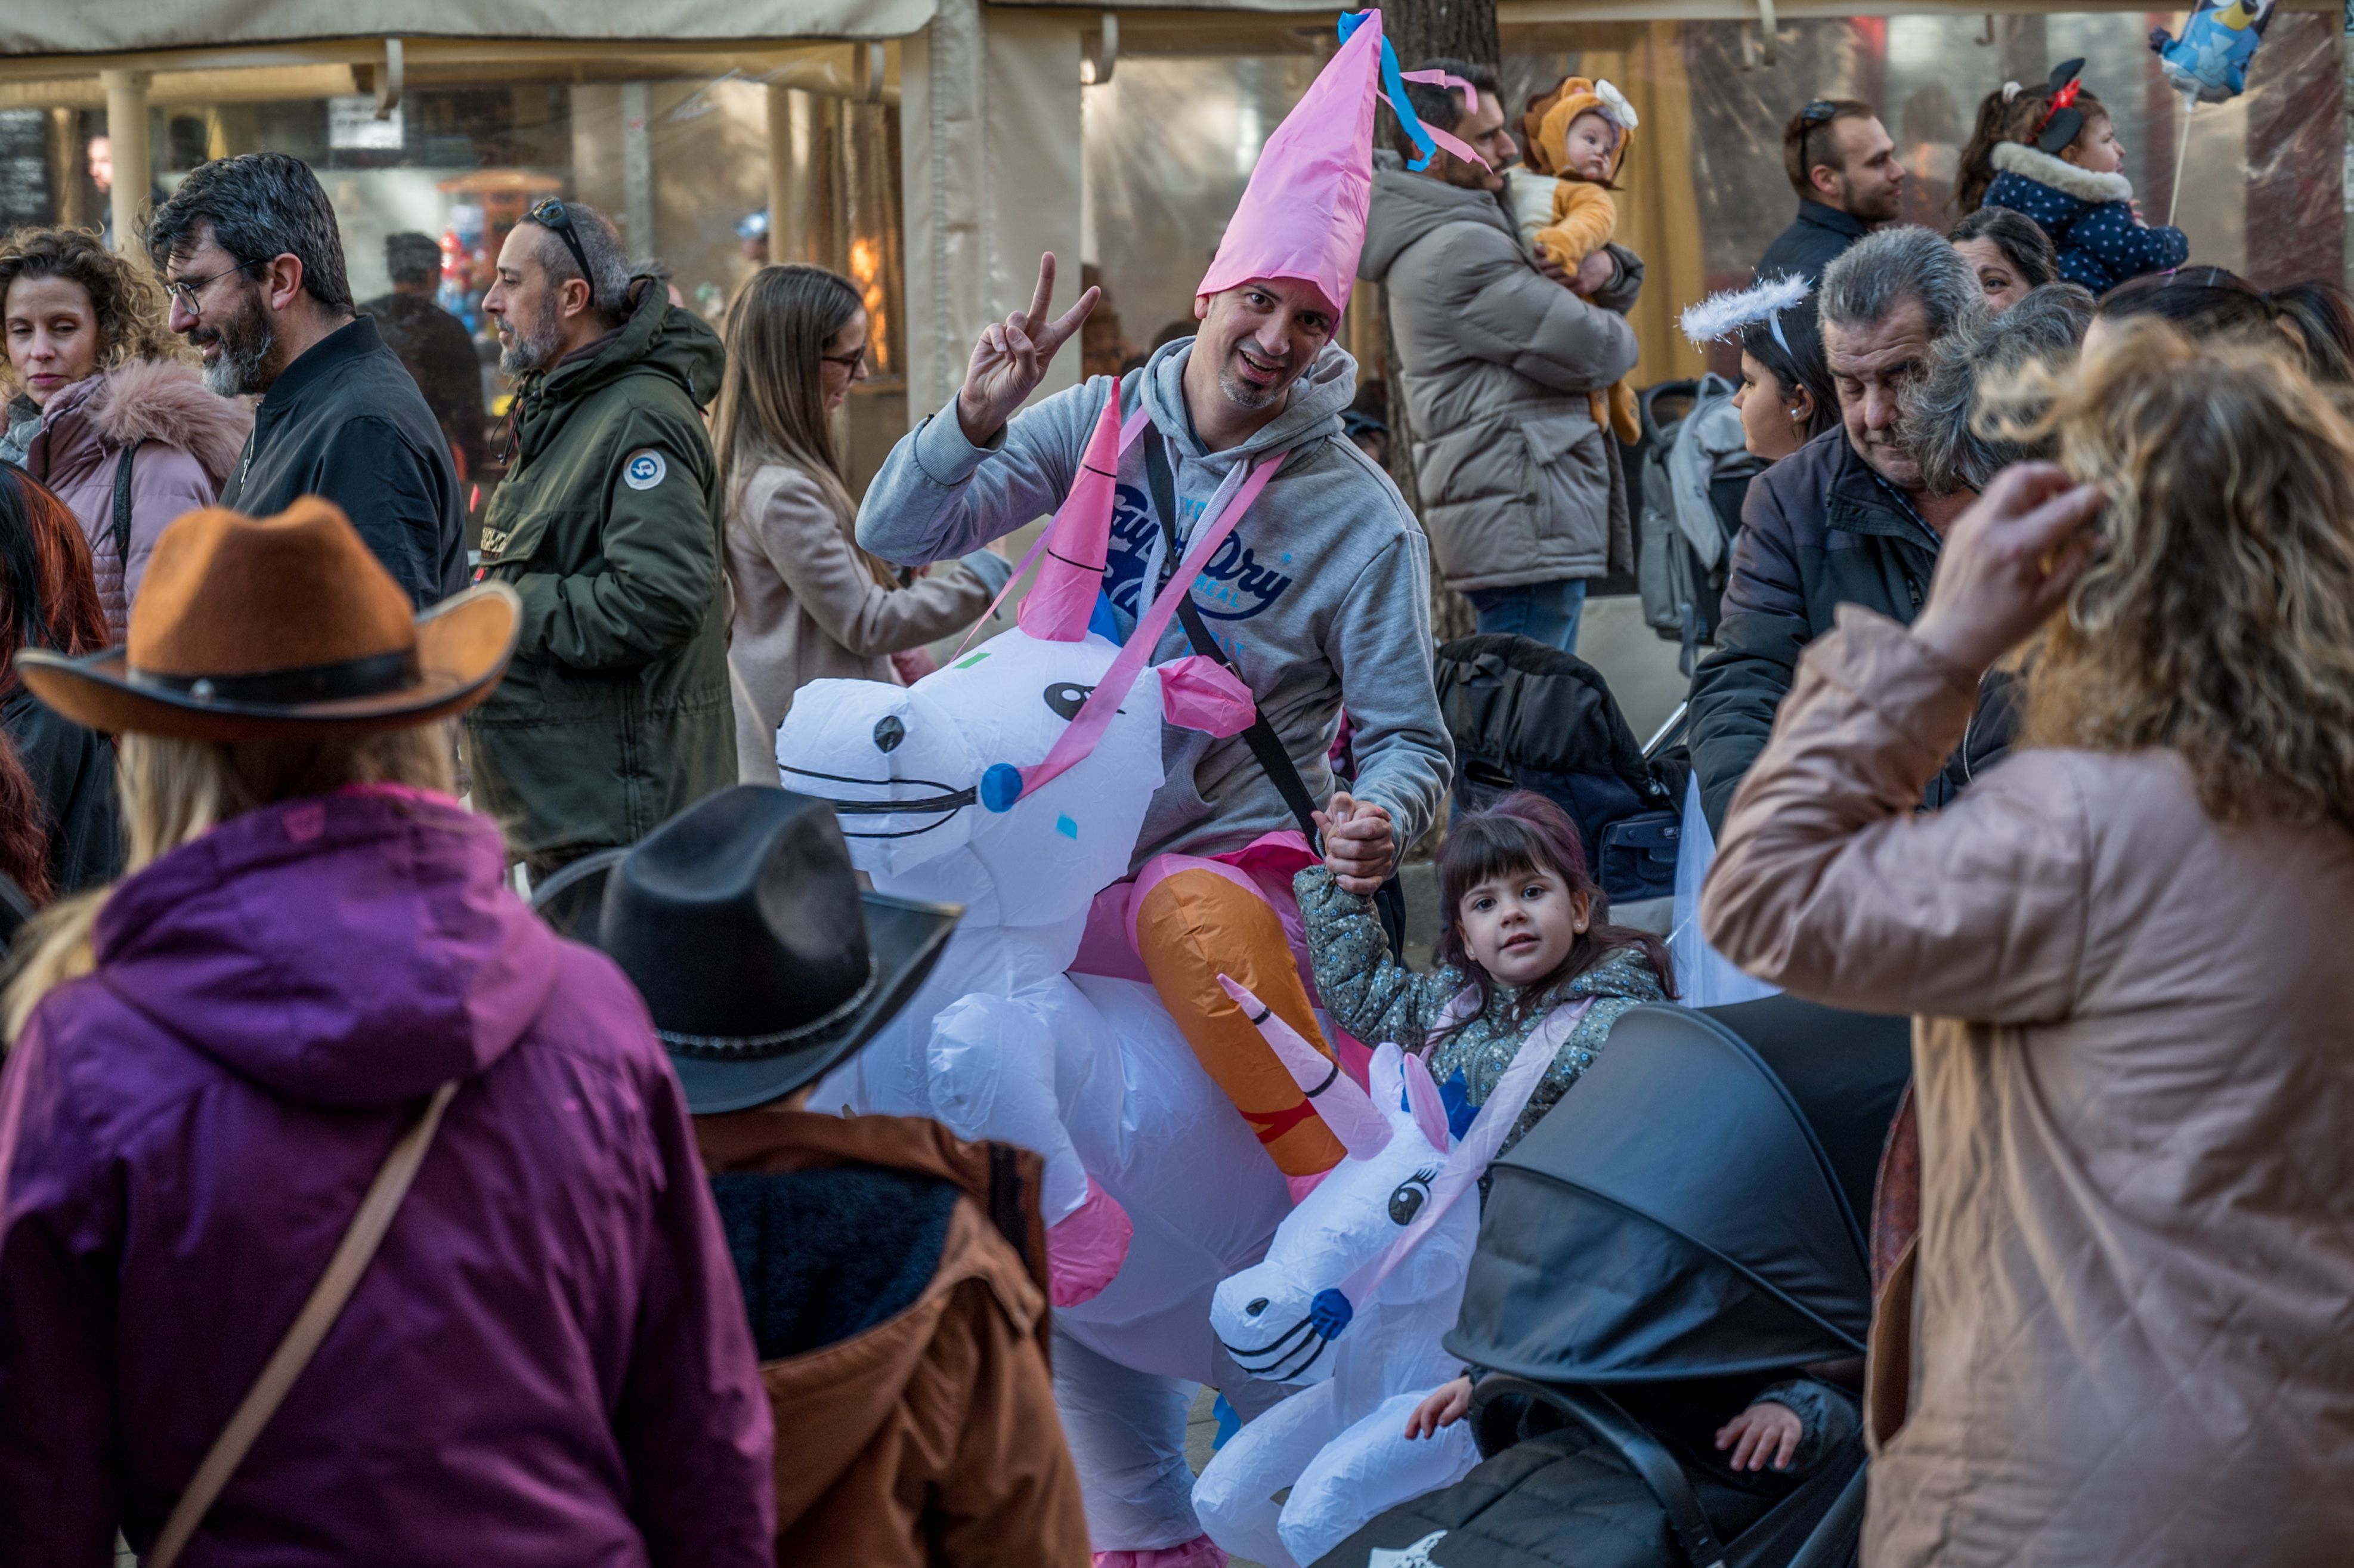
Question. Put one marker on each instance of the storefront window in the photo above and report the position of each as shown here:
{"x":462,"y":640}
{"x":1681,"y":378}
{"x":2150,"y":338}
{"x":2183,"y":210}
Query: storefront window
{"x":679,"y":164}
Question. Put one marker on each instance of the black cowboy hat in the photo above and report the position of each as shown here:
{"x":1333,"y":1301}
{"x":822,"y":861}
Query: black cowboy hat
{"x":741,"y":923}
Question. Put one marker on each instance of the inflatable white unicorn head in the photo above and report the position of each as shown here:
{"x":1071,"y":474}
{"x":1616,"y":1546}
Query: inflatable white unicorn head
{"x":1357,"y":1288}
{"x":994,"y":782}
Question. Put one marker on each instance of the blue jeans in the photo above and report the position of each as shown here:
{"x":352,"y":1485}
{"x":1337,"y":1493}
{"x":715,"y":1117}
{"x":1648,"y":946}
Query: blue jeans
{"x":1545,"y":611}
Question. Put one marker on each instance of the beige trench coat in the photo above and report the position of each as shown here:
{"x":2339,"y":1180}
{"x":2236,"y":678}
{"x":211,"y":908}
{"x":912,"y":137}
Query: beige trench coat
{"x":807,"y":609}
{"x":2134,"y":1049}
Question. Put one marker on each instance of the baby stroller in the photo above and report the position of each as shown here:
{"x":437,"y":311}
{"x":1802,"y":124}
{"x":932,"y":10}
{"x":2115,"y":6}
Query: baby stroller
{"x":1525,"y":716}
{"x":1686,"y":1219}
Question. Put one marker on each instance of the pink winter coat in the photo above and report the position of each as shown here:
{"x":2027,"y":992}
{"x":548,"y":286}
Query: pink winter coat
{"x":187,"y":439}
{"x":2134,"y":1067}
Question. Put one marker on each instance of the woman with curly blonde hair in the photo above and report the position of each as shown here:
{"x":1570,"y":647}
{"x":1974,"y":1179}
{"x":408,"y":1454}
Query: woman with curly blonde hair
{"x":2123,"y":1324}
{"x":105,"y":407}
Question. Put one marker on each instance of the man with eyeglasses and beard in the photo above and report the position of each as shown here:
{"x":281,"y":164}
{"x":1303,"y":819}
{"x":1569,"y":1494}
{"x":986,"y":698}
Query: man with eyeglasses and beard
{"x":254,"y":263}
{"x":1842,"y":162}
{"x":615,"y":715}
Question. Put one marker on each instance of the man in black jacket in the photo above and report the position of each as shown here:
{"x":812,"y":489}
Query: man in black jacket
{"x":1845,"y":519}
{"x":1841,"y":161}
{"x":254,"y":263}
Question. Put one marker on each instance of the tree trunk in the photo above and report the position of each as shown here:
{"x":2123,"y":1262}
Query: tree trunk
{"x":1420,"y":30}
{"x":1459,"y":29}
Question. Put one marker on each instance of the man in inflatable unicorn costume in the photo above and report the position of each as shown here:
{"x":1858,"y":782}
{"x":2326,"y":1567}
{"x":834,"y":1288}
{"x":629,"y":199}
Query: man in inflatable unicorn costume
{"x":1223,"y":557}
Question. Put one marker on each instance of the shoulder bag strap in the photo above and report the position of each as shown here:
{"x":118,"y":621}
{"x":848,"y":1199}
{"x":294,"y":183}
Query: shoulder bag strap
{"x":122,"y":511}
{"x":1265,"y":744}
{"x":311,"y":1325}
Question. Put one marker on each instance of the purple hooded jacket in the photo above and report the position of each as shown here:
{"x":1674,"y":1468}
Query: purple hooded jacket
{"x":547,"y":1362}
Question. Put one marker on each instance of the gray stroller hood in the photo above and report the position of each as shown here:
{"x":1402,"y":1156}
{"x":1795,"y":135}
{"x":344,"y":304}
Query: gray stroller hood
{"x":1678,"y":1214}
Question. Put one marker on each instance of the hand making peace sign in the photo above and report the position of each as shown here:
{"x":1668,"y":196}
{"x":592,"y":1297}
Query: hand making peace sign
{"x":1012,"y":357}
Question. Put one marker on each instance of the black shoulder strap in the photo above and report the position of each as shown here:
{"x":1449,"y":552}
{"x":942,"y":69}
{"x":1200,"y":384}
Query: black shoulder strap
{"x":123,"y":509}
{"x":1265,"y":744}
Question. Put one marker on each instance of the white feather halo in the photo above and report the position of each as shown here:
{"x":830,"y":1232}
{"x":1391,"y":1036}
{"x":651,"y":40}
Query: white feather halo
{"x":1615,"y":104}
{"x":1721,"y":315}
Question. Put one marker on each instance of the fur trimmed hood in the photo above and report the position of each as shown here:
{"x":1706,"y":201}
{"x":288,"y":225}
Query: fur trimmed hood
{"x":2032,"y":164}
{"x":151,"y":400}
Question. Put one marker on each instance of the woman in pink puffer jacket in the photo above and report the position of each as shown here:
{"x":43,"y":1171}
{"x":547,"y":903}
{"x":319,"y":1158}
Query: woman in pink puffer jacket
{"x":106,"y":411}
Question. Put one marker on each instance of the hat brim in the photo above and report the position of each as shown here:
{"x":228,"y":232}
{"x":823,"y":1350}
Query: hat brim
{"x":463,"y":644}
{"x":904,"y":935}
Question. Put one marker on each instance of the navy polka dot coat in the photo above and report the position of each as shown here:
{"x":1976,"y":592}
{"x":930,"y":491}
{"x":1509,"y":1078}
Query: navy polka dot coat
{"x":2087,"y":214}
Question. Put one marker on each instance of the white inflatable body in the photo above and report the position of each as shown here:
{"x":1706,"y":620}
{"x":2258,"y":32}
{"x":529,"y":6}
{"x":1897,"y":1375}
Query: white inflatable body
{"x":1001,"y":1043}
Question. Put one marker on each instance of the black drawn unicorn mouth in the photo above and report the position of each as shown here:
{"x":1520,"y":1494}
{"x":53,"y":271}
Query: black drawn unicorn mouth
{"x":943,"y":806}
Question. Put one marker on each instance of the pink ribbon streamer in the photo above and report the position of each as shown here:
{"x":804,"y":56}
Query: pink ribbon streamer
{"x":1441,"y":78}
{"x":1446,"y":139}
{"x":1080,"y":737}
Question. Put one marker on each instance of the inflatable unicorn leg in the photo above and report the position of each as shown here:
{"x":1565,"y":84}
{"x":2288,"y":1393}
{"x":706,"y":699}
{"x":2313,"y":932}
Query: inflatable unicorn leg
{"x":1195,"y":919}
{"x":992,"y":1075}
{"x":1127,"y":1433}
{"x":1367,"y":1470}
{"x":1236,"y":1494}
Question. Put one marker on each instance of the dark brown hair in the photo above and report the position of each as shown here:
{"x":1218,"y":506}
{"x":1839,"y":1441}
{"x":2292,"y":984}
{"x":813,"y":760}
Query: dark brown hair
{"x":48,"y":589}
{"x":1525,"y":831}
{"x":2014,"y":119}
{"x":24,"y":827}
{"x":1807,"y":137}
{"x":2021,"y":241}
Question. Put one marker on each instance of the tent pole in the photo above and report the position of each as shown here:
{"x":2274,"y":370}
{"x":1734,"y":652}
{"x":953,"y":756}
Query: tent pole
{"x":126,"y":133}
{"x":2181,"y":158}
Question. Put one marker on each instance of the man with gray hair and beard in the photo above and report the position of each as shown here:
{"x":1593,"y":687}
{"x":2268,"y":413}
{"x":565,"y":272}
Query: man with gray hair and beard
{"x":615,"y":715}
{"x":255,"y":266}
{"x":1845,"y":519}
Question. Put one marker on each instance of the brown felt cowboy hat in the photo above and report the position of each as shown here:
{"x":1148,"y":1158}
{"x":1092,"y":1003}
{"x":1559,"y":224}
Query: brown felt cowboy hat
{"x":275,"y":627}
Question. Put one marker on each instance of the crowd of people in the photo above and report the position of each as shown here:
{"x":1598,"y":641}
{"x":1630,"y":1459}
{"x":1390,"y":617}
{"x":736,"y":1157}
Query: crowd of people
{"x":355,"y":1207}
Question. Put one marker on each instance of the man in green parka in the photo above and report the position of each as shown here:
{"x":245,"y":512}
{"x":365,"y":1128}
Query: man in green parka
{"x":615,"y":715}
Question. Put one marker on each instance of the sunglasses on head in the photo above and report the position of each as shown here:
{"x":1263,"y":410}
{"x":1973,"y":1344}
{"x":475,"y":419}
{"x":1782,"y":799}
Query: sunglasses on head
{"x":550,"y":214}
{"x":1811,"y":119}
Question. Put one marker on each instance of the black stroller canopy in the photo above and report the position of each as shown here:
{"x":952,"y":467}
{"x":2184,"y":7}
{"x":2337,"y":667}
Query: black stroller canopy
{"x":1677,"y":1216}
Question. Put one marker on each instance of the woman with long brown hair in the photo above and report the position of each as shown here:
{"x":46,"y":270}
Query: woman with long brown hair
{"x":2125,"y":1313}
{"x":49,"y":599}
{"x":809,"y":602}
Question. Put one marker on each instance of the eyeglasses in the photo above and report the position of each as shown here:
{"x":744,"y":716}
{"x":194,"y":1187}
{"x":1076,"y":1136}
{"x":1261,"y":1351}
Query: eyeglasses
{"x":549,"y":213}
{"x":186,"y":290}
{"x":852,"y":363}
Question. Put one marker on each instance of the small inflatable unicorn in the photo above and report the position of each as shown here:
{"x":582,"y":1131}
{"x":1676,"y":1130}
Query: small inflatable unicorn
{"x":1360,"y":1283}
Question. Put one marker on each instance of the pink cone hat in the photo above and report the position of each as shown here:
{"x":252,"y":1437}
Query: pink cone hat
{"x":1303,"y":215}
{"x":1079,"y":542}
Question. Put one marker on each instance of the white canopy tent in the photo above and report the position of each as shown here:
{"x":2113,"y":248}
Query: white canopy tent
{"x":990,"y":126}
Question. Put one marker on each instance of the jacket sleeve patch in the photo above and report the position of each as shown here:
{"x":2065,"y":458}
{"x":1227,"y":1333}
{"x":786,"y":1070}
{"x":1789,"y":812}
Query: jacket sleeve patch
{"x":643,"y":468}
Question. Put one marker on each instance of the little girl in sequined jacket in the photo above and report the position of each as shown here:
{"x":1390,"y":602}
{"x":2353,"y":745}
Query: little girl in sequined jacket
{"x":1523,"y":937}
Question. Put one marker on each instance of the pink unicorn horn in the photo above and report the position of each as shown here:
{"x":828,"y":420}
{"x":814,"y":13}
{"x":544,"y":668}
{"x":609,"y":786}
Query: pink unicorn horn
{"x":1347,"y":1109}
{"x":1079,"y":542}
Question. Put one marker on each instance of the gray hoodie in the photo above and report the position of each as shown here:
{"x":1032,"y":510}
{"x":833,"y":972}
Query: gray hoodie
{"x":1320,"y":597}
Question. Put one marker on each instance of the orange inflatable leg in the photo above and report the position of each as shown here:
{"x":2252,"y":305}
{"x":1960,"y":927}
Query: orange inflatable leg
{"x":1190,"y":926}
